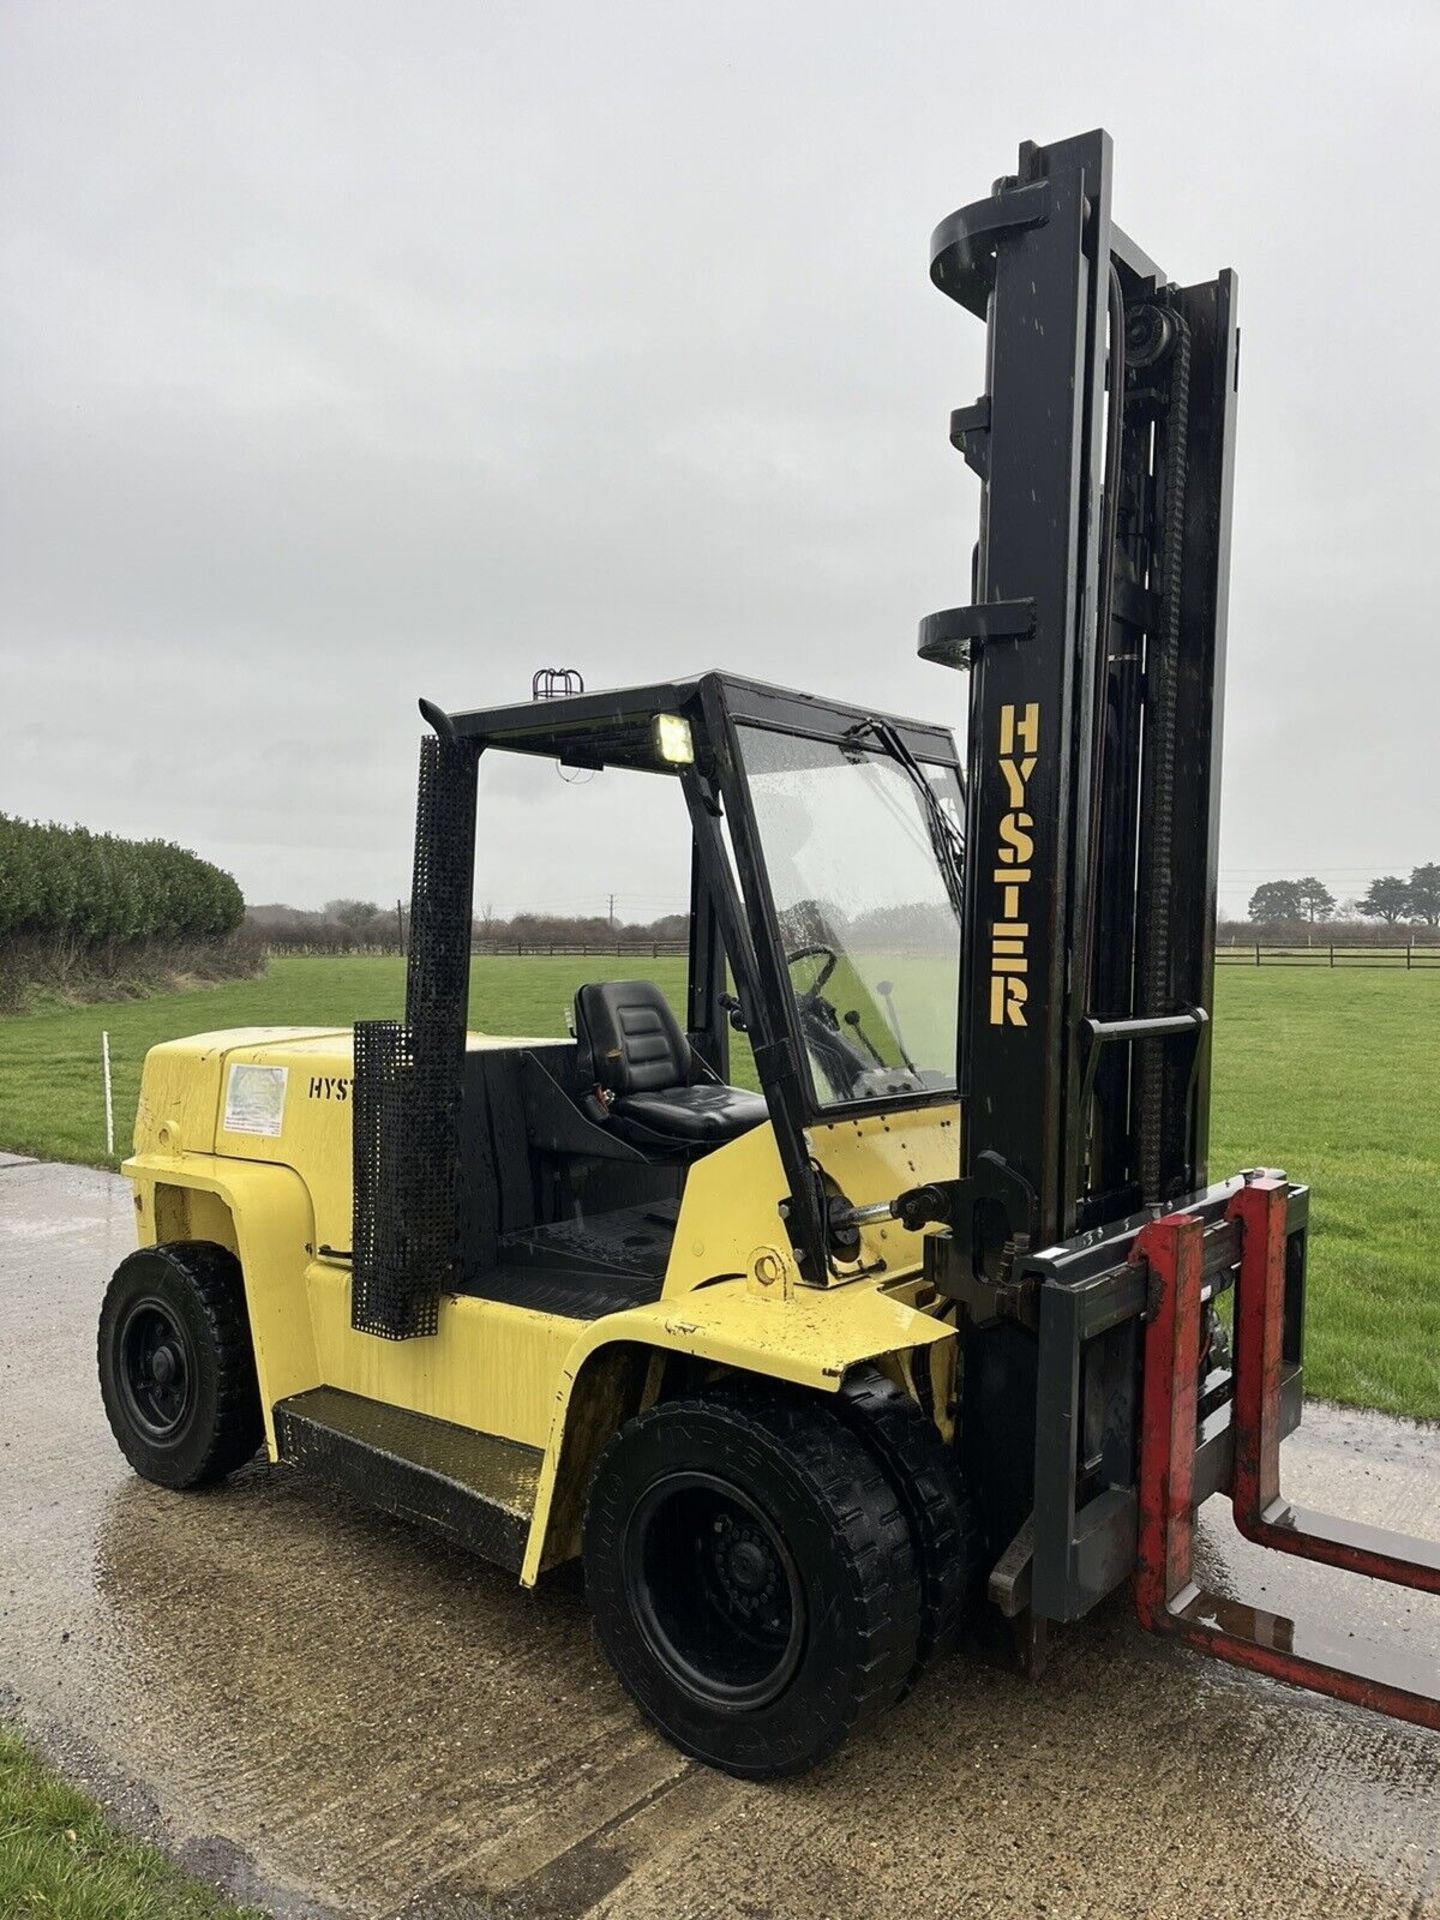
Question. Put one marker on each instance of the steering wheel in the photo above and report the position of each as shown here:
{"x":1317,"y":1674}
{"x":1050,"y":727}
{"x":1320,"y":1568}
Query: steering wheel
{"x":828,"y":954}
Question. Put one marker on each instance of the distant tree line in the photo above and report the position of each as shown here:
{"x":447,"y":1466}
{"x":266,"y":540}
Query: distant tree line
{"x":344,"y":926}
{"x":364,"y":926}
{"x":1391,"y":900}
{"x":1278,"y":908}
{"x":582,"y":930}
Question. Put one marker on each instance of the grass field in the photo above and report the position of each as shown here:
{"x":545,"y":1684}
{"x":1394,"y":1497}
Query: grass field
{"x":1333,"y":1076}
{"x":61,"y":1859}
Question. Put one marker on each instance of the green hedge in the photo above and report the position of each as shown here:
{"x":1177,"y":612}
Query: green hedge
{"x":97,"y":890}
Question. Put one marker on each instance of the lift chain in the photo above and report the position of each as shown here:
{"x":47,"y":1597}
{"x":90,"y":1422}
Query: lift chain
{"x":1162,"y":713}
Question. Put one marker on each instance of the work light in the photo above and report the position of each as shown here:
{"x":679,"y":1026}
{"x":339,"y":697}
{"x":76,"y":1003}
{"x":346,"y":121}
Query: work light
{"x":672,"y":740}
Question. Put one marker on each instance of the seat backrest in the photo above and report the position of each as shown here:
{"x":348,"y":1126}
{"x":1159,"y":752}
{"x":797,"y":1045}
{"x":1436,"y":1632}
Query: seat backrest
{"x":633,"y":1040}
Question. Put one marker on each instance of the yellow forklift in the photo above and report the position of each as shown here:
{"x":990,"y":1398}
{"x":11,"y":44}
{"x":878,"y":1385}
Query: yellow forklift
{"x":919,"y":1342}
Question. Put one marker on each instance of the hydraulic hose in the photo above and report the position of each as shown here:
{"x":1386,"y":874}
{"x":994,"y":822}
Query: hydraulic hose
{"x":1109,"y":526}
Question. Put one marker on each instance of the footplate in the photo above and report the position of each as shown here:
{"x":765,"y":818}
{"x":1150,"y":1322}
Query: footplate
{"x":1166,"y":1596}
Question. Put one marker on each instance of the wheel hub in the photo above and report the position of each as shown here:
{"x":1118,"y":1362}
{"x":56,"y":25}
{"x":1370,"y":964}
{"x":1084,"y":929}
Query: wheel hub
{"x":746,"y":1567}
{"x":717,"y":1594}
{"x":155,"y":1375}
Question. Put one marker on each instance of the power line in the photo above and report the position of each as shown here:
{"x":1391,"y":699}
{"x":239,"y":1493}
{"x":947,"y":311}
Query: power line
{"x":1368,"y":866}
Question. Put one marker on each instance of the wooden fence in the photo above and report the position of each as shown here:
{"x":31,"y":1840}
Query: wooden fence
{"x":1413,"y":957}
{"x":641,"y":949}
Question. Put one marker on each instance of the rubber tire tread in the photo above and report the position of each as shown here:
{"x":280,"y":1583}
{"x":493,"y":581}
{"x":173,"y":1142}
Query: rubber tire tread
{"x":849,"y":1490}
{"x":925,"y":1476}
{"x":211,"y":1278}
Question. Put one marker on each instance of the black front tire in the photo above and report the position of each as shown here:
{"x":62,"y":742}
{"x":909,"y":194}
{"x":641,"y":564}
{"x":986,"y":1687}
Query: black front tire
{"x":925,"y":1475}
{"x":177,"y":1369}
{"x":752,"y":1578}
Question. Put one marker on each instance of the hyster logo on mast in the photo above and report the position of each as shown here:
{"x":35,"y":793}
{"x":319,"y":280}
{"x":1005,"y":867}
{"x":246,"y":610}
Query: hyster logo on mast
{"x":1010,"y":931}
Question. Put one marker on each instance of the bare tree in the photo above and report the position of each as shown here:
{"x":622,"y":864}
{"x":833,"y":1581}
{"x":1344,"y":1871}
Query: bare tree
{"x":354,"y":914}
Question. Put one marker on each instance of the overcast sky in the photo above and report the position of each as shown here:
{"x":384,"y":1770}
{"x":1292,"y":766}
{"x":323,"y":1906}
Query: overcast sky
{"x":359,"y":351}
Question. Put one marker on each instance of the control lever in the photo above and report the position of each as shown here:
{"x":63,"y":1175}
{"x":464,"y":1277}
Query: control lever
{"x":852,"y":1020}
{"x":886,"y":990}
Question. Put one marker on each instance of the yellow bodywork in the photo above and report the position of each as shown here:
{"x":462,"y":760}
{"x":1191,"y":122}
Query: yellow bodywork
{"x":273,"y":1182}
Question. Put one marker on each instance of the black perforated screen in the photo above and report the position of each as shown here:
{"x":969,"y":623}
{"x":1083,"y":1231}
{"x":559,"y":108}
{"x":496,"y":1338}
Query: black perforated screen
{"x":406,"y":1111}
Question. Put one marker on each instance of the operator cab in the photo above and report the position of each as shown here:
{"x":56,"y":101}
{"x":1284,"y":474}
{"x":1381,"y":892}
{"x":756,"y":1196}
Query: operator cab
{"x":824,"y":932}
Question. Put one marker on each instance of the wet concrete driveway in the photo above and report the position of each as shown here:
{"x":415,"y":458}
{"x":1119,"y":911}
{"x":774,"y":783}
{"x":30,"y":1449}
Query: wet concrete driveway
{"x":332,"y":1714}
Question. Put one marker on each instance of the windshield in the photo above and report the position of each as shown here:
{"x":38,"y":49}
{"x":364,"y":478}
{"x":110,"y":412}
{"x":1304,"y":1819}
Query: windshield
{"x":863,"y":871}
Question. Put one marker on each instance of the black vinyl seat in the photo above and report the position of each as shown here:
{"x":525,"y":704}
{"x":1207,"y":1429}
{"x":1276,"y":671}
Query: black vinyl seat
{"x":632,"y":1048}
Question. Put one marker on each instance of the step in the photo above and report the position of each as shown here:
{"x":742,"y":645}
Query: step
{"x":476,"y":1489}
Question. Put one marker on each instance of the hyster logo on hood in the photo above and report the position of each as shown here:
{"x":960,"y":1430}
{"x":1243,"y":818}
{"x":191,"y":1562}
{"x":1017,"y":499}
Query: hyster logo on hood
{"x":325,"y":1086}
{"x":1010,"y":930}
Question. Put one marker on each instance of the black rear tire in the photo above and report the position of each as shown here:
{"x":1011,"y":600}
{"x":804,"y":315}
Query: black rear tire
{"x":752,"y":1578}
{"x":925,"y":1476}
{"x":177,"y":1369}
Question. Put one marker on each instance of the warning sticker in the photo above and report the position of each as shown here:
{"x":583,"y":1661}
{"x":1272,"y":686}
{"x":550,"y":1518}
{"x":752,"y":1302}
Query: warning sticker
{"x":255,"y":1100}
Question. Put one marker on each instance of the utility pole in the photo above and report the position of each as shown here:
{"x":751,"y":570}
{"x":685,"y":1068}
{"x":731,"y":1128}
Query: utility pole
{"x":612,"y":913}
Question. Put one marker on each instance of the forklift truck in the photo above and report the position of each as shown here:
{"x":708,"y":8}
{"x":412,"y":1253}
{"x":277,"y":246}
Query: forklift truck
{"x":920,"y":1345}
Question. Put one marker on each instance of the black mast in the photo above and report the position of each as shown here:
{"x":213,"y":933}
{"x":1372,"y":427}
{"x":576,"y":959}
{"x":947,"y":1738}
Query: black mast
{"x":1096,"y":652}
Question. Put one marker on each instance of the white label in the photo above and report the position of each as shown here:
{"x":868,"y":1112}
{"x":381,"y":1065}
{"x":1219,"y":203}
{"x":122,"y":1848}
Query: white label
{"x":255,"y":1100}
